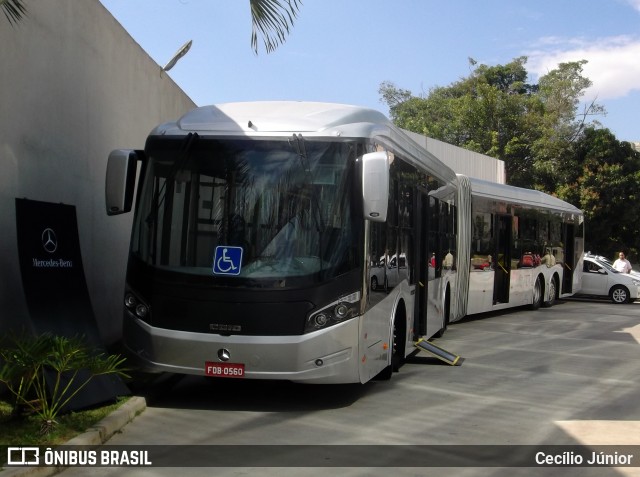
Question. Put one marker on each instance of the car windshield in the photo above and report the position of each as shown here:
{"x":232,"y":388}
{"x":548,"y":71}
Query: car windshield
{"x":606,"y":265}
{"x":248,"y":209}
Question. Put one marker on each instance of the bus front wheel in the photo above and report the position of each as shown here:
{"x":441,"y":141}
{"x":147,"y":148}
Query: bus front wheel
{"x":398,"y":334}
{"x":386,"y":373}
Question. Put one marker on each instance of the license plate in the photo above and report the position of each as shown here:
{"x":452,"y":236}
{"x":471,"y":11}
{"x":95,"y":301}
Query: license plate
{"x":224,"y":370}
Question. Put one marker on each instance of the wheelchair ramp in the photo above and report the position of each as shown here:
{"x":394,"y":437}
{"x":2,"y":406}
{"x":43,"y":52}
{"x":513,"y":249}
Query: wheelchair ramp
{"x":442,"y":354}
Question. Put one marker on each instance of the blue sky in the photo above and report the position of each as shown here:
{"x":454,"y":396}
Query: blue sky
{"x":342,"y":50}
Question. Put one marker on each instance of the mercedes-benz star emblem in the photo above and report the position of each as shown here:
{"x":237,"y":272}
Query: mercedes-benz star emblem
{"x":49,"y":240}
{"x":224,"y":354}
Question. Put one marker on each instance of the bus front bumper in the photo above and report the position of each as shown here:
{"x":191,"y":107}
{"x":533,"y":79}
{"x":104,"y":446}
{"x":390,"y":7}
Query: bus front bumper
{"x":325,"y":356}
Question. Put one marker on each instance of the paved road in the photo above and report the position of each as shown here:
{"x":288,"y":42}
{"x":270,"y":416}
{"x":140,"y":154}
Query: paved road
{"x":560,"y":376}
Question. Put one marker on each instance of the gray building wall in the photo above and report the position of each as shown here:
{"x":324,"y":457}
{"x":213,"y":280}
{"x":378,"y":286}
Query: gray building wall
{"x":75,"y":85}
{"x":463,"y":161}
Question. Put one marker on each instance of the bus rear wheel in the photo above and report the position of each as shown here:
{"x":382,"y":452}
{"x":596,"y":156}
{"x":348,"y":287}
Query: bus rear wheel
{"x":553,"y":293}
{"x":537,"y":294}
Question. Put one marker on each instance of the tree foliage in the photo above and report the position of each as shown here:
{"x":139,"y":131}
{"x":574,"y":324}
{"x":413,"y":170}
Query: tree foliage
{"x":547,"y":143}
{"x":14,"y":10}
{"x":602,"y":177}
{"x":272,"y":19}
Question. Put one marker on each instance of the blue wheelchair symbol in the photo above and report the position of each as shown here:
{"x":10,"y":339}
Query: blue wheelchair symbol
{"x":227,"y":260}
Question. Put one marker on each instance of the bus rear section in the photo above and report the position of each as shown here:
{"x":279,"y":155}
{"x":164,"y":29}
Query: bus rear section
{"x":525,"y":247}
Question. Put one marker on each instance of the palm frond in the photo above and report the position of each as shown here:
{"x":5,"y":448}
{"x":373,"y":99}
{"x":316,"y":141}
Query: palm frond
{"x":272,"y":19}
{"x":14,"y":10}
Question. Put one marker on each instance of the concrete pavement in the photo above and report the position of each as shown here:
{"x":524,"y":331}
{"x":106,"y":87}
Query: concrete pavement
{"x":567,"y":375}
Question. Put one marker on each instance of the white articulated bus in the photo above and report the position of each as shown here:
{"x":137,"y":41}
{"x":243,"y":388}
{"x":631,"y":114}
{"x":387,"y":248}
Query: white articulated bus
{"x":525,"y":247}
{"x":310,"y":242}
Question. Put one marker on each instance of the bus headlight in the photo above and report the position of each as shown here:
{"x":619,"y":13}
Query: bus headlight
{"x":136,"y":306}
{"x":340,"y":310}
{"x":320,"y":320}
{"x":142,"y":310}
{"x":130,"y":301}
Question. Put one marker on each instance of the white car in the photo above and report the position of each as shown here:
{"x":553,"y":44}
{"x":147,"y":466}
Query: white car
{"x":601,"y":279}
{"x":606,"y":261}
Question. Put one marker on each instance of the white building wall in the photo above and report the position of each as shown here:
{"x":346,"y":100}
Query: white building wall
{"x":74,"y":86}
{"x":463,"y":161}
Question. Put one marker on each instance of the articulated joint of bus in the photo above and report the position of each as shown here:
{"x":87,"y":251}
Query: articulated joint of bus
{"x":339,"y":311}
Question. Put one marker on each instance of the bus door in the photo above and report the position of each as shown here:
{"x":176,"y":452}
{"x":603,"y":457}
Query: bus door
{"x":569,"y":257}
{"x":422,"y":264}
{"x":502,"y":258}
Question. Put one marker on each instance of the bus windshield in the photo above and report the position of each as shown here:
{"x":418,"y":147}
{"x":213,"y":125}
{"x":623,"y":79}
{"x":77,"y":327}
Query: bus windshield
{"x":278,"y":209}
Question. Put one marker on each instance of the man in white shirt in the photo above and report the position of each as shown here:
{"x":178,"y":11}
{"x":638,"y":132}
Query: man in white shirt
{"x":622,"y":264}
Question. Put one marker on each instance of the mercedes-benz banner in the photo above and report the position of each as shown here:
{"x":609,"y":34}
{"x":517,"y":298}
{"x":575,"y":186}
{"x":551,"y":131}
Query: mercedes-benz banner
{"x":54,"y":284}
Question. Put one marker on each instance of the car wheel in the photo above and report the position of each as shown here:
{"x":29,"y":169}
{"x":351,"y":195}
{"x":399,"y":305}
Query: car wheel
{"x":619,"y":294}
{"x":374,"y":283}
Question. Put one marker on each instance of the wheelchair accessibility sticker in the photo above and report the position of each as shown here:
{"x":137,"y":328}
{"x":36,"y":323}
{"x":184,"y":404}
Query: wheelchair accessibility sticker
{"x":227,"y":260}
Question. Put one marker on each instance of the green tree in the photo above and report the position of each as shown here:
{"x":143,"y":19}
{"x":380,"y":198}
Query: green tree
{"x":495,"y":111}
{"x":603,"y":179}
{"x":560,"y":125}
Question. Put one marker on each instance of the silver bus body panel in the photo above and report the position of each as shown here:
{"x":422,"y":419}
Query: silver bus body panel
{"x":520,"y":288}
{"x":293,"y":358}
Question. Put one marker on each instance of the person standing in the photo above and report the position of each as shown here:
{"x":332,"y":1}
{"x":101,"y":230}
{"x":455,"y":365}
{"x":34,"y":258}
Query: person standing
{"x":622,"y":264}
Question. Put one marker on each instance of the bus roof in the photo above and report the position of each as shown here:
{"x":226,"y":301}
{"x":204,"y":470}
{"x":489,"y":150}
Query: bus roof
{"x":273,"y":117}
{"x":518,"y":195}
{"x":284,"y":118}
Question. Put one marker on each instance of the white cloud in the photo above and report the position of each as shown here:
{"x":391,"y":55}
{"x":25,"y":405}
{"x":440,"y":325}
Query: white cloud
{"x":634,"y":3}
{"x":613,"y":63}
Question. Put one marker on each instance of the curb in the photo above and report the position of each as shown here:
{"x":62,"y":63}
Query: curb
{"x":96,"y":435}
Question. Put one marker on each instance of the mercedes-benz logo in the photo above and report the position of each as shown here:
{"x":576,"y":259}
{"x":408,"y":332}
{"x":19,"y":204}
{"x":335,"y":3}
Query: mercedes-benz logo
{"x":49,"y":240}
{"x":224,"y":354}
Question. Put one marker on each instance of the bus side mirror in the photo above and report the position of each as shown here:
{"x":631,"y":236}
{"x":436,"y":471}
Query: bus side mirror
{"x":120,"y":181}
{"x":375,"y":185}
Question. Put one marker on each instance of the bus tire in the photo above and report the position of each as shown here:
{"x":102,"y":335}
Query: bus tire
{"x":397,"y":346}
{"x":619,"y":294}
{"x":386,"y":373}
{"x":445,"y":317}
{"x":538,"y":291}
{"x":553,"y":292}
